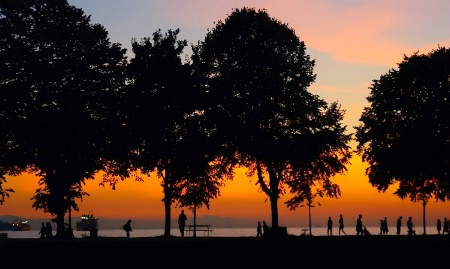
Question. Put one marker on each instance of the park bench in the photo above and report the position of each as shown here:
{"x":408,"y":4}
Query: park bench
{"x":205,"y":228}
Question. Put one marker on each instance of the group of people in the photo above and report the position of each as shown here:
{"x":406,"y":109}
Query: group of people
{"x":181,"y":224}
{"x":263,"y":229}
{"x":384,"y":228}
{"x":409,"y":224}
{"x":46,"y":230}
{"x":330,"y":226}
{"x":445,"y":227}
{"x":360,"y":229}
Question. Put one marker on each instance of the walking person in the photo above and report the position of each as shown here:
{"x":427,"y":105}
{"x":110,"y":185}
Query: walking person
{"x":359,"y":226}
{"x":385,"y":226}
{"x":330,"y":227}
{"x":42,"y":231}
{"x":341,"y":225}
{"x":266,"y":228}
{"x":399,"y":225}
{"x":445,"y":230}
{"x":259,"y":230}
{"x":381,"y":226}
{"x":48,"y":230}
{"x":127,"y":228}
{"x":182,"y":222}
{"x":439,"y":226}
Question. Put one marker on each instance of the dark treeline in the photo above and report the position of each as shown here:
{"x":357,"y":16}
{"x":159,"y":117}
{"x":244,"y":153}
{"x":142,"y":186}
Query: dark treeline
{"x":73,"y":105}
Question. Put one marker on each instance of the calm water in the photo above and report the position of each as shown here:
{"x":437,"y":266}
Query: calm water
{"x":218,"y":232}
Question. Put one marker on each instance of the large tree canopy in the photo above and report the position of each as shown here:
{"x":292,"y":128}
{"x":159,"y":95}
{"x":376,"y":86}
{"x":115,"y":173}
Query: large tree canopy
{"x":59,"y":82}
{"x":404,"y":134}
{"x":255,"y":75}
{"x":167,"y":136}
{"x":159,"y":100}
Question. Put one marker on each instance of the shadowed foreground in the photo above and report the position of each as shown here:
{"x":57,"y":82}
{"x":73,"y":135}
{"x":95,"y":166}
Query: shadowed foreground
{"x":214,"y":252}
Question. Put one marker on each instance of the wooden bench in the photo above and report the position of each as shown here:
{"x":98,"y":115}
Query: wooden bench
{"x":3,"y":235}
{"x":304,"y":232}
{"x":205,"y":228}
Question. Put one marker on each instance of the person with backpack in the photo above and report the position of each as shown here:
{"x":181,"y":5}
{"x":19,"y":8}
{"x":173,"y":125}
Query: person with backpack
{"x":127,"y":228}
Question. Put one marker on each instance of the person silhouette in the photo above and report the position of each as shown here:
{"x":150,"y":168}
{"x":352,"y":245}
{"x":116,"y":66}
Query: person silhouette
{"x":48,"y":230}
{"x":42,"y":231}
{"x":266,"y":228}
{"x":399,"y":225}
{"x":410,"y":225}
{"x":439,"y":226}
{"x":341,"y":225}
{"x":182,"y":222}
{"x":359,"y":226}
{"x":330,"y":227}
{"x":127,"y":228}
{"x":259,"y":230}
{"x":445,"y":228}
{"x":385,"y":226}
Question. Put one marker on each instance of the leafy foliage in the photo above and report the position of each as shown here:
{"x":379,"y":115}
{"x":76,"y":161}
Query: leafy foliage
{"x":4,"y":193}
{"x":60,"y":79}
{"x":159,"y":102}
{"x":404,"y":134}
{"x":255,"y":77}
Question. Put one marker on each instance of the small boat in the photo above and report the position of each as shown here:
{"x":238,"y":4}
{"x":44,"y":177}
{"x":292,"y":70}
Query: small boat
{"x":87,"y":222}
{"x":20,"y":225}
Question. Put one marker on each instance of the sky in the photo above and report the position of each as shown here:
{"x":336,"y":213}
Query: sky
{"x":353,"y":43}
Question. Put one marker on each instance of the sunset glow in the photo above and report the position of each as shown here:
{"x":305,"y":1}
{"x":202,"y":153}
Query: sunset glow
{"x":353,"y":43}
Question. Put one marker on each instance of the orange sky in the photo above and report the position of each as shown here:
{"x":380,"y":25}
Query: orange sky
{"x":353,"y":42}
{"x":240,"y":198}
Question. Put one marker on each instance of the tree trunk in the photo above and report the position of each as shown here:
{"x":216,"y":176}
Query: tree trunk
{"x":424,"y":205}
{"x":274,"y":209}
{"x":272,"y":191}
{"x":195,"y":221}
{"x":167,"y":211}
{"x":60,"y":229}
{"x":309,"y":216}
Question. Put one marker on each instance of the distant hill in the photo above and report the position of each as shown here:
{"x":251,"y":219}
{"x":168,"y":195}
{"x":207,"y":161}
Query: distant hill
{"x":104,"y":223}
{"x":5,"y":226}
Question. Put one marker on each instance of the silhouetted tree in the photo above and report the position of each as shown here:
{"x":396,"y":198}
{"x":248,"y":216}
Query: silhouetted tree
{"x":159,"y":101}
{"x":4,"y":193}
{"x":202,"y":172}
{"x":59,"y":82}
{"x":404,"y":133}
{"x":256,"y":74}
{"x":197,"y":191}
{"x":305,"y":192}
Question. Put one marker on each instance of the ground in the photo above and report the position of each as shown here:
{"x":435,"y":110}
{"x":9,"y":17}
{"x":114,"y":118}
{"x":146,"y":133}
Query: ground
{"x":202,"y":252}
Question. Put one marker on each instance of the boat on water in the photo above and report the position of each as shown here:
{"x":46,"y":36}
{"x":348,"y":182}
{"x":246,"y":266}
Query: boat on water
{"x":18,"y":225}
{"x":87,"y":222}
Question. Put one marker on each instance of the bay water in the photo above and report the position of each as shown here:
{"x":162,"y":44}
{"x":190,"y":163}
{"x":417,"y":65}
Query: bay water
{"x":218,"y":232}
